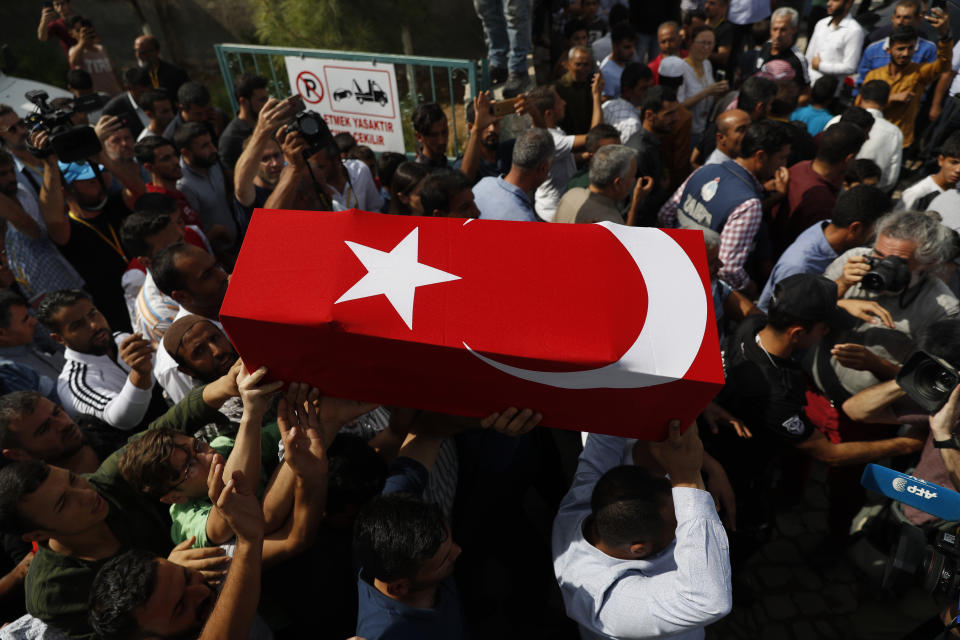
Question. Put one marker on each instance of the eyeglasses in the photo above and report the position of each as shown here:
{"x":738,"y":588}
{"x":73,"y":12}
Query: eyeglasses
{"x":198,"y":447}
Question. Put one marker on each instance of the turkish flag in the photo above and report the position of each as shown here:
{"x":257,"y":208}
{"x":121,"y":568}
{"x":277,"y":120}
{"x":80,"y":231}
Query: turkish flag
{"x":599,"y":327}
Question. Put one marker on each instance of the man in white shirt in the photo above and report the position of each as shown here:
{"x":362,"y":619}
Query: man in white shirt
{"x":637,"y":555}
{"x":622,"y":112}
{"x":350,"y":181}
{"x":105,"y":375}
{"x":834,"y":49}
{"x":884,"y":143}
{"x":549,"y":107}
{"x":920,"y":195}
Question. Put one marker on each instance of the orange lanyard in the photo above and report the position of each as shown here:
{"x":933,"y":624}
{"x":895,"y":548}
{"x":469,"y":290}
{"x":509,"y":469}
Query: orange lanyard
{"x":115,"y":244}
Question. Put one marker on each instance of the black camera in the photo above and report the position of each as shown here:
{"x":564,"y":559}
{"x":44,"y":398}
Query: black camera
{"x":315,"y":132}
{"x":934,"y":568}
{"x":886,"y":274}
{"x":71,"y":143}
{"x":928,"y":380}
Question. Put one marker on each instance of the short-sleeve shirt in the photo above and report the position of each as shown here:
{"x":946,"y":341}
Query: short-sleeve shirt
{"x":190,"y":518}
{"x":58,"y":29}
{"x":564,"y":166}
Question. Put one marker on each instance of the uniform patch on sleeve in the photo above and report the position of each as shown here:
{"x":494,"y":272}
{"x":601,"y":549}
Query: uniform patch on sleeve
{"x":794,"y":425}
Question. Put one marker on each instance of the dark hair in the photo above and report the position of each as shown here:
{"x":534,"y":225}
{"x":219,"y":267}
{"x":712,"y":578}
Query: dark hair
{"x":18,"y":479}
{"x":760,"y":33}
{"x":151,"y":97}
{"x":767,"y":135}
{"x":700,"y":29}
{"x":951,"y":146}
{"x":910,"y":3}
{"x":247,"y":83}
{"x":186,"y":133}
{"x":345,"y":142}
{"x":364,"y":154}
{"x":394,"y":534}
{"x":622,"y":31}
{"x":137,"y":77}
{"x":754,"y":91}
{"x":824,"y":89}
{"x":145,"y":149}
{"x":654,"y":97}
{"x":602,"y":131}
{"x":193,"y":93}
{"x":164,"y":271}
{"x":633,"y":73}
{"x":543,"y":97}
{"x":72,"y":21}
{"x":406,"y":177}
{"x":356,"y":473}
{"x":572,"y":27}
{"x":156,"y":204}
{"x":53,"y":302}
{"x":13,"y":407}
{"x":9,"y":299}
{"x":139,"y":226}
{"x":863,"y":203}
{"x":79,"y":79}
{"x":625,"y":505}
{"x":122,"y":585}
{"x":387,"y":164}
{"x":942,"y":339}
{"x":904,"y":34}
{"x":857,"y":116}
{"x":439,"y":187}
{"x":145,"y":462}
{"x":875,"y":91}
{"x":862,"y":169}
{"x":425,"y":115}
{"x":779,"y":320}
{"x":689,"y":16}
{"x":618,"y":13}
{"x":839,"y":141}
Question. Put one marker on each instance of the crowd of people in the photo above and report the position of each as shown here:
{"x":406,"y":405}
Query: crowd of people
{"x":152,"y":486}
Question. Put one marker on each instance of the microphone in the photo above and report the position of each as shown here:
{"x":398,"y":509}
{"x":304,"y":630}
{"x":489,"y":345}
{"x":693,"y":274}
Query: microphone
{"x":919,"y":494}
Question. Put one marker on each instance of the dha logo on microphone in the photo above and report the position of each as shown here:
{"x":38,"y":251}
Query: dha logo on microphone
{"x":901,"y":485}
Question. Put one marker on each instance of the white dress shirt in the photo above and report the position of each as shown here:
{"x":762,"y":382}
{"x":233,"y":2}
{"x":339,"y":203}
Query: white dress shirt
{"x":839,"y":47}
{"x":884,"y":146}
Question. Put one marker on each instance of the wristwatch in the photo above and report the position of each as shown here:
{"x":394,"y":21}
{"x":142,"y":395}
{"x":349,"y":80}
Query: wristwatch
{"x":950,"y":443}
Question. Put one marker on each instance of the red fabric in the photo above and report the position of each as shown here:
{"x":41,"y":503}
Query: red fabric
{"x":58,"y":29}
{"x":519,"y":299}
{"x":655,"y":65}
{"x":186,"y":211}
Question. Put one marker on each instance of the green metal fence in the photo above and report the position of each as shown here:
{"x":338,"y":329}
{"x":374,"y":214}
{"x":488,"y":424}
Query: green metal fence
{"x":446,"y":81}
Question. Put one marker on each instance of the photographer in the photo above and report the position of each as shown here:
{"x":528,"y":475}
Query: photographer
{"x":916,"y":239}
{"x":257,"y":169}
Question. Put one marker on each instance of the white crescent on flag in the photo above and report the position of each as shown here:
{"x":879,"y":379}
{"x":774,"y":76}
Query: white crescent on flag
{"x":673,"y":330}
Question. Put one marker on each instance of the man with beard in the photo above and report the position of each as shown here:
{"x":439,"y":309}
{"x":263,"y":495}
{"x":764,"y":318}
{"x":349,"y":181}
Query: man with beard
{"x":159,"y":108}
{"x":258,"y":168}
{"x":107,"y":376}
{"x":252,"y":96}
{"x":204,"y":184}
{"x":485,"y":156}
{"x":659,"y":111}
{"x":574,"y":87}
{"x":731,"y":127}
{"x":158,"y":156}
{"x":197,"y":283}
{"x":909,"y":79}
{"x":784,"y":24}
{"x":163,"y":75}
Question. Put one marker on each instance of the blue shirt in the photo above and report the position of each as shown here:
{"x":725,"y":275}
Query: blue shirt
{"x":611,"y":77}
{"x":876,"y":56}
{"x":815,"y":118}
{"x":497,"y":199}
{"x":379,"y":616}
{"x":809,"y":253}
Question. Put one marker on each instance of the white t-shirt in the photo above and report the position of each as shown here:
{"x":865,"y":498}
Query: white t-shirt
{"x":548,"y":194}
{"x":360,"y":191}
{"x":910,"y":196}
{"x":955,"y":87}
{"x":692,"y":85}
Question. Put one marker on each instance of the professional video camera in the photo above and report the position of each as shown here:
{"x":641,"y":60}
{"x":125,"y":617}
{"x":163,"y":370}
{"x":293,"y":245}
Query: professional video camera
{"x":935,"y":568}
{"x":886,"y":274}
{"x":71,"y":143}
{"x":928,"y":380}
{"x":315,"y":131}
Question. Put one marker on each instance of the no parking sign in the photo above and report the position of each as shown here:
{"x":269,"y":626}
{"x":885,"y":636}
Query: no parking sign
{"x":359,"y":98}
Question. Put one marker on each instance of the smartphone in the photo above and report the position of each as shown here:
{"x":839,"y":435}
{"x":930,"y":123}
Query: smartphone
{"x":937,"y":4}
{"x":502,"y":107}
{"x":721,"y":75}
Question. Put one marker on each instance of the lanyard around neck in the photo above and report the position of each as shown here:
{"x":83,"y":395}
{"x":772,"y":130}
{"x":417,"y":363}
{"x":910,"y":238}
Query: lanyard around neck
{"x":113,"y":244}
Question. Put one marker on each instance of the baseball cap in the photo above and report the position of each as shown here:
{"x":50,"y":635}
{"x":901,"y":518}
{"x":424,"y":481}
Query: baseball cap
{"x":73,"y":171}
{"x":811,"y":297}
{"x":777,"y":70}
{"x":672,"y":67}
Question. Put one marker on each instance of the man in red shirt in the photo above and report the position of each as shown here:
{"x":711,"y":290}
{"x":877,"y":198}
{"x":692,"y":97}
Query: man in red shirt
{"x":814,"y":184}
{"x":53,"y":23}
{"x":160,"y":159}
{"x":668,"y":37}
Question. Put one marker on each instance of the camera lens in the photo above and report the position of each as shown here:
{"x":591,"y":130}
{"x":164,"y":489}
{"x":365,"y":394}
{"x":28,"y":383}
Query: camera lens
{"x":943,"y":381}
{"x":309,"y":127}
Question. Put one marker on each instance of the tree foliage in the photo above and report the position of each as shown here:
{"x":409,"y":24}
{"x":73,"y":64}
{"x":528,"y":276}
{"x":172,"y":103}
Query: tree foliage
{"x":359,"y":25}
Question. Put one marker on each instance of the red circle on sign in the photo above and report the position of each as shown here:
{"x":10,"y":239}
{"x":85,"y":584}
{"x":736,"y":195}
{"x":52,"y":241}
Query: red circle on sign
{"x":309,"y":87}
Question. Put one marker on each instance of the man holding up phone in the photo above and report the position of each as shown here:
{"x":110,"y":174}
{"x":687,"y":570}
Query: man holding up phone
{"x":91,"y":56}
{"x":52,"y":23}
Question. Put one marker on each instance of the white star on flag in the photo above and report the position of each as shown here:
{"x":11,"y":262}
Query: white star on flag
{"x":396,"y":275}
